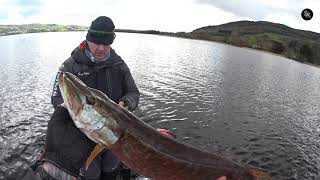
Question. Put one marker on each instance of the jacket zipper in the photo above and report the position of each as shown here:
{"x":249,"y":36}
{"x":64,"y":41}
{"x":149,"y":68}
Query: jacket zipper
{"x":109,"y":84}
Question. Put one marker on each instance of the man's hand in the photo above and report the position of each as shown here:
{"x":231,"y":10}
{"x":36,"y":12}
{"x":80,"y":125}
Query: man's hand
{"x":222,"y":178}
{"x":121,"y":103}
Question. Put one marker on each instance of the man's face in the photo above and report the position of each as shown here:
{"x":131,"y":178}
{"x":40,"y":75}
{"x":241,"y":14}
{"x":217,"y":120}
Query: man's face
{"x":99,"y":51}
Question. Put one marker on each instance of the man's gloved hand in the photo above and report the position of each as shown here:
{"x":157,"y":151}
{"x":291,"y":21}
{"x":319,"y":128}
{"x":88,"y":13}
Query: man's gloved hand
{"x":122,"y":103}
{"x":128,"y":103}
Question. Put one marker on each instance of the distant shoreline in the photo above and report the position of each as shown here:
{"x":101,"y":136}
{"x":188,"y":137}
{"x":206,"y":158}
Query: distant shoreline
{"x":302,"y":50}
{"x":6,"y":30}
{"x":170,"y":35}
{"x":2,"y":35}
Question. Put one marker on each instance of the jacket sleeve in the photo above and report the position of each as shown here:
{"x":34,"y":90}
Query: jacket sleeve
{"x":56,"y":98}
{"x":132,"y":94}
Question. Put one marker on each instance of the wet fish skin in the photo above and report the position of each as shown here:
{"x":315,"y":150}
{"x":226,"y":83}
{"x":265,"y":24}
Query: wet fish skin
{"x":138,"y":145}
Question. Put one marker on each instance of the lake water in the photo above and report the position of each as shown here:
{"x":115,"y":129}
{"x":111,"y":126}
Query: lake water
{"x":253,"y":107}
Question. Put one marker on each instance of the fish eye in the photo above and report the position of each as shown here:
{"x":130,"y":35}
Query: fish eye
{"x":90,"y":100}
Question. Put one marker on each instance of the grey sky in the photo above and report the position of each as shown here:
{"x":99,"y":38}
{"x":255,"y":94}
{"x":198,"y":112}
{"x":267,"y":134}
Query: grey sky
{"x":286,"y":12}
{"x":242,"y":8}
{"x":163,"y":15}
{"x":258,"y":9}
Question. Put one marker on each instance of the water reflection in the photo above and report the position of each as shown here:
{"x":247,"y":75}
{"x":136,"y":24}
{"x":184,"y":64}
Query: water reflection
{"x":253,"y":107}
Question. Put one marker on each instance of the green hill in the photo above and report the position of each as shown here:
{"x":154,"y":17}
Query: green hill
{"x":295,"y":44}
{"x":260,"y":27}
{"x":35,"y":28}
{"x":300,"y":45}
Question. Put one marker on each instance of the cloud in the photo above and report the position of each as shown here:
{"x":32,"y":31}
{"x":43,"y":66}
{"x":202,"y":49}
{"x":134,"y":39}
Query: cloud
{"x":25,"y":12}
{"x":3,"y":15}
{"x":286,"y":12}
{"x":258,"y":9}
{"x":27,"y":2}
{"x":163,"y":15}
{"x":16,"y":11}
{"x":243,"y":8}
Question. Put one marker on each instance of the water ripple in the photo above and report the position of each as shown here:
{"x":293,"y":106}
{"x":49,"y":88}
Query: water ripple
{"x":252,"y":107}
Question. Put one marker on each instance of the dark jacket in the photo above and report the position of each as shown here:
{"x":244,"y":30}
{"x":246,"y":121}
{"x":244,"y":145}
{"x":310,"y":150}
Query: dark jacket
{"x":112,"y":77}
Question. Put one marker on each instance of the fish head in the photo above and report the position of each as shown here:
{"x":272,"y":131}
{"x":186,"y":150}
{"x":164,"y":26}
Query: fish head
{"x":73,"y":93}
{"x":85,"y":107}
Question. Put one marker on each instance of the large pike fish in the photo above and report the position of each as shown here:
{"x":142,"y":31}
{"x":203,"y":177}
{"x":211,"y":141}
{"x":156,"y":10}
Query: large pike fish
{"x":138,"y":145}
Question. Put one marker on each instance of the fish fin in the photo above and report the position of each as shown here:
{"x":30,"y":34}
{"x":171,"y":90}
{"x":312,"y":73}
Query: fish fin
{"x":97,"y":149}
{"x":259,"y":174}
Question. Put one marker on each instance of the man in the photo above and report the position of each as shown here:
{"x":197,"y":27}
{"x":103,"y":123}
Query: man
{"x":99,"y":67}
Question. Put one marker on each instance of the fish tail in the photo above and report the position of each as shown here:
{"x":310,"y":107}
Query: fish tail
{"x":259,"y":174}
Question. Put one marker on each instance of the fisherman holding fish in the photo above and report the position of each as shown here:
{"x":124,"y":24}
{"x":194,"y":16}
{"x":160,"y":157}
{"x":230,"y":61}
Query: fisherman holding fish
{"x":99,"y":67}
{"x":67,"y":149}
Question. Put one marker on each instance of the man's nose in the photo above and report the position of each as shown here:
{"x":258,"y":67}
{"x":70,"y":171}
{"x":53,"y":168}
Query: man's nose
{"x":101,"y":47}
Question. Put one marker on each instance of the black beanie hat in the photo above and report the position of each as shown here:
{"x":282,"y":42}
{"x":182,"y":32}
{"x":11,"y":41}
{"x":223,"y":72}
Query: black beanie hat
{"x":101,"y":31}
